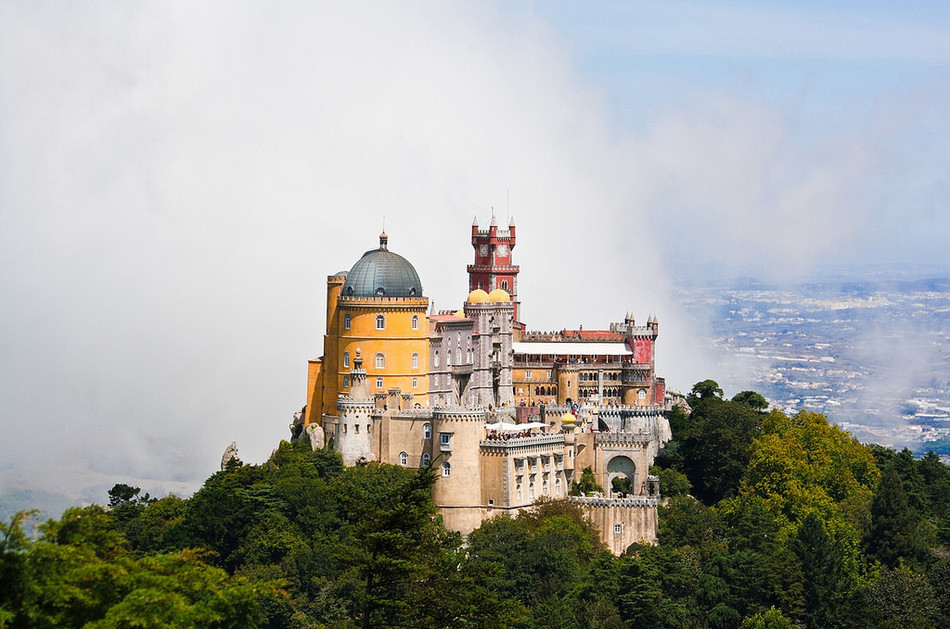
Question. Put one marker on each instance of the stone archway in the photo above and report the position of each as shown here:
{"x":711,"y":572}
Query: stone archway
{"x":621,"y":467}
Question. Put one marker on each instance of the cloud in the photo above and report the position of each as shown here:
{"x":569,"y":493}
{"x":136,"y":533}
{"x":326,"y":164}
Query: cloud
{"x":179,"y":180}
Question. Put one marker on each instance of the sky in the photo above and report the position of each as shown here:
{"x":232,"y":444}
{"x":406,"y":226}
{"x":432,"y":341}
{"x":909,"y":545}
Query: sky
{"x":178,"y":179}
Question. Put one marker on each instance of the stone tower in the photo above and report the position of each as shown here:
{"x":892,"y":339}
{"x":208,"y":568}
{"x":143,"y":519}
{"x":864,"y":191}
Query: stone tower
{"x":352,"y":430}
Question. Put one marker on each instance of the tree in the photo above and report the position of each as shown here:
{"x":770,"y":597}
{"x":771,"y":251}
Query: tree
{"x":825,"y":580}
{"x":587,"y":485}
{"x":716,"y":447}
{"x":14,"y":545}
{"x":125,"y":494}
{"x":751,"y":399}
{"x":894,"y":525}
{"x":705,"y":390}
{"x":902,"y":598}
{"x":802,"y":464}
{"x":771,"y":619}
{"x":672,"y":483}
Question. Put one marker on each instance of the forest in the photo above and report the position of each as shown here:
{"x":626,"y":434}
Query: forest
{"x":772,"y":521}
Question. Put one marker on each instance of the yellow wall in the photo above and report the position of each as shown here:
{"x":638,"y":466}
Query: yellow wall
{"x":397,"y":342}
{"x":314,"y":392}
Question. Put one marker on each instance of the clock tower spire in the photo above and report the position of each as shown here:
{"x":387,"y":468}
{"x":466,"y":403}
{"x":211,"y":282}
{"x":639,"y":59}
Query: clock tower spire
{"x":493,"y":268}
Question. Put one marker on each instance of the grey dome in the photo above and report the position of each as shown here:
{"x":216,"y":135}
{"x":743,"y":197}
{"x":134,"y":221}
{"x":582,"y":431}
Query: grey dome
{"x":382,"y":273}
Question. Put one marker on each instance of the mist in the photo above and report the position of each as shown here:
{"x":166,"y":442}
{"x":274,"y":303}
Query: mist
{"x":178,"y":180}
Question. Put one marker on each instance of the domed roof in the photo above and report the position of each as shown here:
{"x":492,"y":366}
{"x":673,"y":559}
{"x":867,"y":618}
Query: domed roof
{"x":568,"y":418}
{"x":382,"y":273}
{"x":498,"y":295}
{"x":477,"y":296}
{"x":460,"y":313}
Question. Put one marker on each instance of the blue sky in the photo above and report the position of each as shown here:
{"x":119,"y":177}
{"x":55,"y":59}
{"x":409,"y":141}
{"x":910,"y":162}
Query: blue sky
{"x":872,"y":75}
{"x":177,"y":180}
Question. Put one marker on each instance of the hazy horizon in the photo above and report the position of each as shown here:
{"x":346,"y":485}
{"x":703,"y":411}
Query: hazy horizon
{"x":177,"y":180}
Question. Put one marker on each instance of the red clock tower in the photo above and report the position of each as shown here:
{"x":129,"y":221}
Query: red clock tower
{"x":493,"y":268}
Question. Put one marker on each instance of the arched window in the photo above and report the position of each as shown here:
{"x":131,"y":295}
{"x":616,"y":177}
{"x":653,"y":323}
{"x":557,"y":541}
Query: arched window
{"x":446,"y":469}
{"x":403,"y":459}
{"x":380,"y":322}
{"x":504,"y":284}
{"x":557,"y":486}
{"x":435,"y":359}
{"x":427,"y":430}
{"x":346,"y":360}
{"x":346,"y":322}
{"x":531,"y":491}
{"x":415,"y":361}
{"x":380,"y":361}
{"x":426,"y":459}
{"x":544,"y":488}
{"x":518,"y":491}
{"x":346,"y":381}
{"x":415,"y":322}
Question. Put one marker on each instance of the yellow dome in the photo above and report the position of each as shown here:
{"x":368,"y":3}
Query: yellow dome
{"x":568,"y":418}
{"x":498,"y":295}
{"x":477,"y":296}
{"x":460,"y":313}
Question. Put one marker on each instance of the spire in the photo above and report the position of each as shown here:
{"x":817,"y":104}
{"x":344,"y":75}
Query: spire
{"x":475,"y":221}
{"x":383,"y":241}
{"x":511,"y":222}
{"x":494,"y":223}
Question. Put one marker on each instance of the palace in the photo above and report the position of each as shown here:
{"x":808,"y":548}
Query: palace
{"x":506,"y":415}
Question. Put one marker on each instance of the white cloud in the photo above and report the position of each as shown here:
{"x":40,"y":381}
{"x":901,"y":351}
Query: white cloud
{"x":179,"y":179}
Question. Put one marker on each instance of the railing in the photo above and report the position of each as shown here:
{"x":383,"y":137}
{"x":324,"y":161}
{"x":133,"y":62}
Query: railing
{"x":514,"y":442}
{"x":632,"y":501}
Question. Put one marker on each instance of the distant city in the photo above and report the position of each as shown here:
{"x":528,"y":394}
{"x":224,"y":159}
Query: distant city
{"x":873,"y":355}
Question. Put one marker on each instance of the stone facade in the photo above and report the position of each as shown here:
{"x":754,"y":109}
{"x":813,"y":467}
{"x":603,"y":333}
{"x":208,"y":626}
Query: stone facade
{"x":505,"y":416}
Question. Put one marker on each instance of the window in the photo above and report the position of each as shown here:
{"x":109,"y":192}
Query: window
{"x":346,"y":360}
{"x":415,"y":361}
{"x":380,"y":361}
{"x":504,"y":284}
{"x":380,"y":322}
{"x":642,"y":394}
{"x":356,"y":427}
{"x":425,"y":459}
{"x":446,"y":469}
{"x":346,"y":322}
{"x":346,"y":381}
{"x":379,"y":383}
{"x":618,"y":529}
{"x":403,"y":459}
{"x":427,"y":431}
{"x":549,"y":375}
{"x":544,"y":488}
{"x":531,"y":491}
{"x":557,"y":486}
{"x":445,"y":441}
{"x":518,"y":491}
{"x":415,"y":322}
{"x":415,"y":383}
{"x":435,"y":360}
{"x":527,"y":374}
